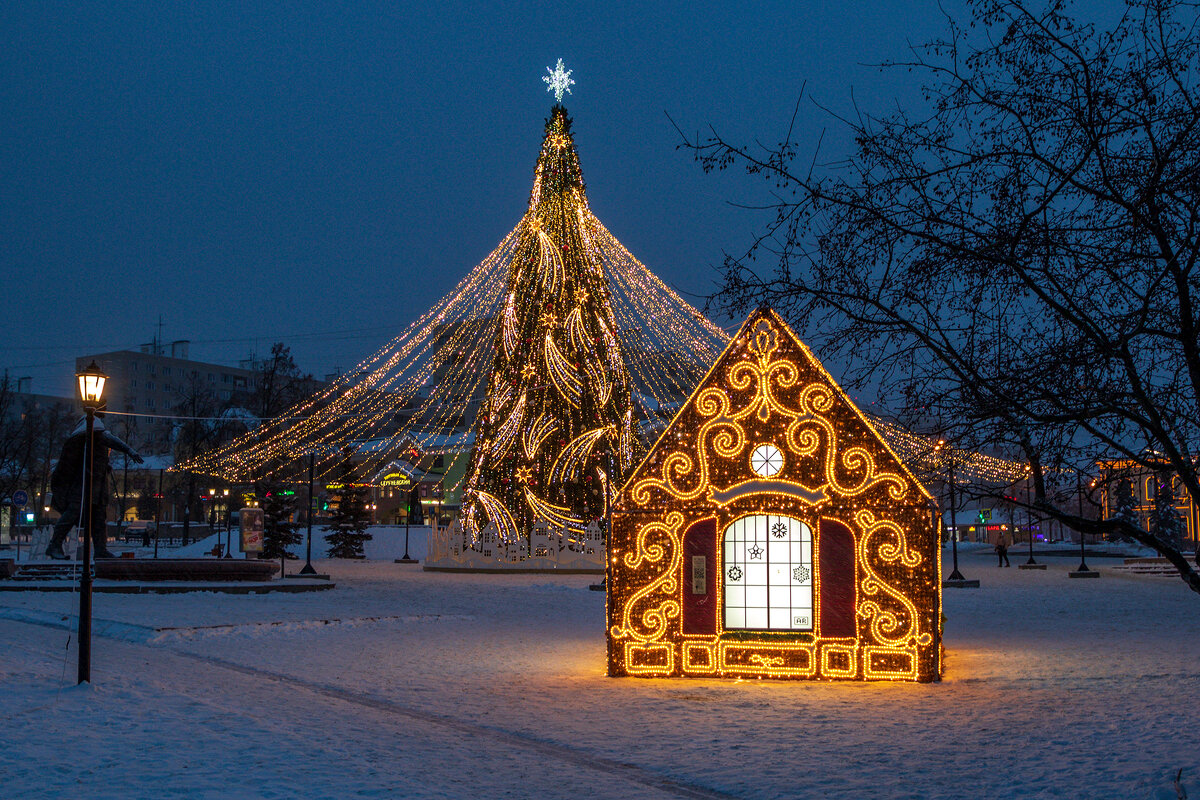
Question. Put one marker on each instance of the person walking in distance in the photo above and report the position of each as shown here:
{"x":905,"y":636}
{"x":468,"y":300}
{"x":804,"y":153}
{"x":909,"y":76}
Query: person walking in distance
{"x":1002,"y":553}
{"x":66,"y":482}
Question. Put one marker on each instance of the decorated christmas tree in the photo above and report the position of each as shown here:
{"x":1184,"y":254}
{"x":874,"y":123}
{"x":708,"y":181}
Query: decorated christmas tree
{"x":555,"y":432}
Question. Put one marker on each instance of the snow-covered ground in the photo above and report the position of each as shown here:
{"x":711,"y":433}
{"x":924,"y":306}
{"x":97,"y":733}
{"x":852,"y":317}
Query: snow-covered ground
{"x":387,"y":542}
{"x":401,"y":683}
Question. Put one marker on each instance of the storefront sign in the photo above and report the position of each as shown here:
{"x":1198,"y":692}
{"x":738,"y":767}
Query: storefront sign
{"x":395,"y":480}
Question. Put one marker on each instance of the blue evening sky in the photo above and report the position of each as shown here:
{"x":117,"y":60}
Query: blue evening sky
{"x":321,"y":173}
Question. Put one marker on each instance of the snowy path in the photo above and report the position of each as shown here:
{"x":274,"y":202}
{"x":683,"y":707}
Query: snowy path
{"x":283,"y":737}
{"x":401,"y":683}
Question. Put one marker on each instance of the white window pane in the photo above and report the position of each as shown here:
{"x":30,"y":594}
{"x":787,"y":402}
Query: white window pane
{"x":735,"y":596}
{"x":756,"y":573}
{"x":733,"y":553}
{"x":756,"y":596}
{"x":779,"y":550}
{"x":735,"y":617}
{"x":797,"y":553}
{"x":756,"y":618}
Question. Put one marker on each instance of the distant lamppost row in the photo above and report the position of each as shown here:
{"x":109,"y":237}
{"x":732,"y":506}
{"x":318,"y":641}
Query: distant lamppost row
{"x":91,"y":396}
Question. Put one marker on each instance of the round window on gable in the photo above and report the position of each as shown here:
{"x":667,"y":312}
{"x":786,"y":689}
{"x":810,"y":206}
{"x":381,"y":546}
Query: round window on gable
{"x":766,"y":460}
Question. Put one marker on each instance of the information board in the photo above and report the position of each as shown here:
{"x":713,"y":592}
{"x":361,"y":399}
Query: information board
{"x":252,"y":530}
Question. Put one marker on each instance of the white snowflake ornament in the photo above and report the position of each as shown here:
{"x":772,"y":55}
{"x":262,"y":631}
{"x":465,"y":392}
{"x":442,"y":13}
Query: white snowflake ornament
{"x":558,"y":81}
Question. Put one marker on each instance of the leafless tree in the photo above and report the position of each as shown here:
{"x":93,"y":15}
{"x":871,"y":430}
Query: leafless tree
{"x":280,"y":384}
{"x":1013,"y":263}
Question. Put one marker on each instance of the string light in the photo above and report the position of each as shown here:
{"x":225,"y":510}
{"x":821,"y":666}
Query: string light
{"x":558,"y":334}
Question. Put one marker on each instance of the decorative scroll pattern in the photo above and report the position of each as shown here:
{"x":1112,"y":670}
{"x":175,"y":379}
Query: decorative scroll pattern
{"x":649,"y":610}
{"x":808,"y":431}
{"x":887,"y":626}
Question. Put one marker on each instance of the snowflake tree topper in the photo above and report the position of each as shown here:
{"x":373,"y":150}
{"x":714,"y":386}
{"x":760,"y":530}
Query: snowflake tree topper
{"x":558,"y":81}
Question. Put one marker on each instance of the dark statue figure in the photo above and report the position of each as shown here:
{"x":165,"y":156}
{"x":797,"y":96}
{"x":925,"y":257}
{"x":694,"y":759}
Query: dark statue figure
{"x":66,"y":483}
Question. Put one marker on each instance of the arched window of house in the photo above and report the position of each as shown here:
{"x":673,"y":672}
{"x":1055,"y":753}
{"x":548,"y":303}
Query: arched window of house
{"x":768,"y":575}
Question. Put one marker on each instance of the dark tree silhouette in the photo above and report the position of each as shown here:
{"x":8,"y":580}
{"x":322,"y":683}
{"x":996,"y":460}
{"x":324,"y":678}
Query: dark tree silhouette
{"x":280,"y":530}
{"x":1014,"y":265}
{"x":350,"y":517}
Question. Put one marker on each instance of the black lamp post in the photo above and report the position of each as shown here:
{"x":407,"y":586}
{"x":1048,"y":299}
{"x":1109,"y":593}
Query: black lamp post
{"x":956,"y":579}
{"x":1029,"y":522}
{"x":1031,"y":563}
{"x":955,"y":575}
{"x":158,"y":501}
{"x":1083,"y":571}
{"x":91,"y":396}
{"x":414,"y":501}
{"x":228,"y":527}
{"x":308,"y":567}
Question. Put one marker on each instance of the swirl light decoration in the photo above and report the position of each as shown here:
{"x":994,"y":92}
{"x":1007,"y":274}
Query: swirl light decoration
{"x":772,"y":532}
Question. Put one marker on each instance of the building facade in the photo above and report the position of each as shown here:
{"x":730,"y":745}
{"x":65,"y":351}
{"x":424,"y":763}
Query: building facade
{"x":152,"y":381}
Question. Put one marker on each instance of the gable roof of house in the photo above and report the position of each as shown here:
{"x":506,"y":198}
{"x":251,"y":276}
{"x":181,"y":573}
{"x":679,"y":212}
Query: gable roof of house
{"x":741,"y":348}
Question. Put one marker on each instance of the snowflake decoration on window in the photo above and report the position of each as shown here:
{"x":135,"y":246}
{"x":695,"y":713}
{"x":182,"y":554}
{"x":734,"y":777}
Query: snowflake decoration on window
{"x":756,"y":552}
{"x":779,"y":530}
{"x":735,"y":573}
{"x":558,"y":81}
{"x":800,"y":574}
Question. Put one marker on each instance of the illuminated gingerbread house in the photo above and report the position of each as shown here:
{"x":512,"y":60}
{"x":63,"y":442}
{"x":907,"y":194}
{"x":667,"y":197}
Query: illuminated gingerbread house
{"x":771,"y":532}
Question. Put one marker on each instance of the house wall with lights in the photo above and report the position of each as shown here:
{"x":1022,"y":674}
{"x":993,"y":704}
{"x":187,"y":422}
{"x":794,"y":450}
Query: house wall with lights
{"x":772,"y":532}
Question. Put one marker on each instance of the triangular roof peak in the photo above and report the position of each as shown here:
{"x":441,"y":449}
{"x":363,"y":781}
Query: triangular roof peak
{"x":768,"y":418}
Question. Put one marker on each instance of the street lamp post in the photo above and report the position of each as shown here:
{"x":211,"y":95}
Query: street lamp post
{"x":228,"y":527}
{"x":956,"y":579}
{"x":91,"y":396}
{"x":1083,"y":571}
{"x":1032,"y":562}
{"x":414,"y":498}
{"x":955,"y":575}
{"x":1029,"y":529}
{"x":308,"y":567}
{"x":158,"y":501}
